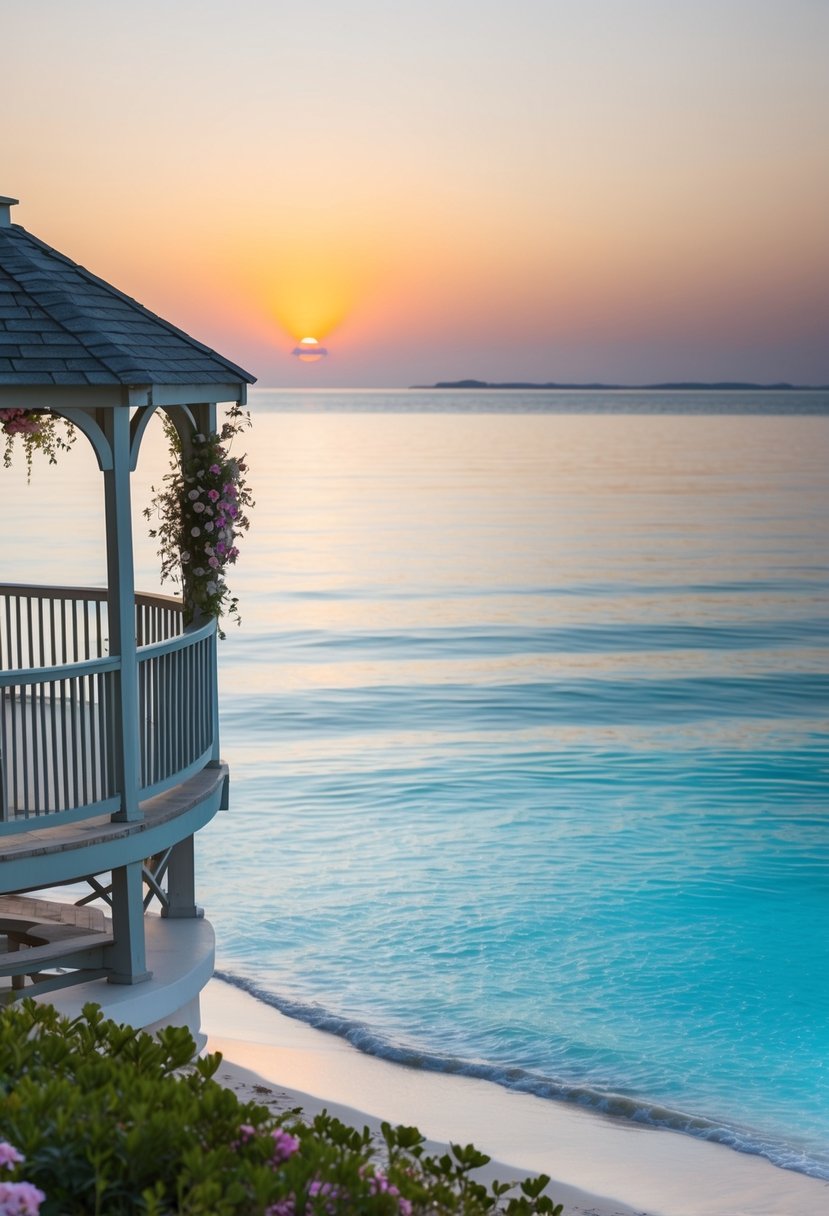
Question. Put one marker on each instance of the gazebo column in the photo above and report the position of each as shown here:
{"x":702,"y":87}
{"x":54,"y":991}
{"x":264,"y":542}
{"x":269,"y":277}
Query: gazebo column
{"x":127,"y":957}
{"x":181,"y":882}
{"x":181,"y":870}
{"x":205,"y":415}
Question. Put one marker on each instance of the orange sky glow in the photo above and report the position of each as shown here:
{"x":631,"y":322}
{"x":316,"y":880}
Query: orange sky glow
{"x":542,"y":190}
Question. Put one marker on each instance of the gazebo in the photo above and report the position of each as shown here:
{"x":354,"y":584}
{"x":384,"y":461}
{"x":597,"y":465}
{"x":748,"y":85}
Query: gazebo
{"x":109,"y":741}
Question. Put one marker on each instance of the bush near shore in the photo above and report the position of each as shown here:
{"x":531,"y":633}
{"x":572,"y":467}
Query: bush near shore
{"x":101,"y":1118}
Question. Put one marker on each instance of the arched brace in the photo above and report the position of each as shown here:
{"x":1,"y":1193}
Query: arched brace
{"x":181,"y":417}
{"x":138,"y":425}
{"x":85,"y":422}
{"x":184,"y":420}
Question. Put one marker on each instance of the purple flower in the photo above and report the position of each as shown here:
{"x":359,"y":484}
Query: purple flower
{"x":284,"y":1144}
{"x":284,"y":1207}
{"x":213,"y":562}
{"x":215,"y":469}
{"x":20,"y":1199}
{"x":9,"y":1155}
{"x":325,"y":1190}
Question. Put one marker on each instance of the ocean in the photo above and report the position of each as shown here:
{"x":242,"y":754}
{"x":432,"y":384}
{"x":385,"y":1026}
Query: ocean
{"x":527,"y":727}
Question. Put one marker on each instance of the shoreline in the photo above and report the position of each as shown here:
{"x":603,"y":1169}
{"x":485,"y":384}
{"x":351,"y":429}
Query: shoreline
{"x":600,"y":1166}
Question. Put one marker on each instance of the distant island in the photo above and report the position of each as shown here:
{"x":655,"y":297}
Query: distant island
{"x":719,"y":386}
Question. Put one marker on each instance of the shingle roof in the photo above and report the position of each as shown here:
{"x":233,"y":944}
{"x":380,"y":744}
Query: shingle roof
{"x":61,"y":324}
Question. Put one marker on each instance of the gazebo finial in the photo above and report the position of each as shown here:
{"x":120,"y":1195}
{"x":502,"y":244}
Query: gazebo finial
{"x":6,"y":204}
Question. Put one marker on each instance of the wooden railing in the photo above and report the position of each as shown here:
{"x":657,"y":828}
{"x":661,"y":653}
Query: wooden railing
{"x":176,"y":709}
{"x":59,"y":745}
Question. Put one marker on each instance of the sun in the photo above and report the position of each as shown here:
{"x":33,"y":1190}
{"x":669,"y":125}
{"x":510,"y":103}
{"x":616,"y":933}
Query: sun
{"x":309,"y":351}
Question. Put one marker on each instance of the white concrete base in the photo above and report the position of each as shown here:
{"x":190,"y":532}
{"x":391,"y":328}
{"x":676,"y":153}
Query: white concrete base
{"x":180,"y":955}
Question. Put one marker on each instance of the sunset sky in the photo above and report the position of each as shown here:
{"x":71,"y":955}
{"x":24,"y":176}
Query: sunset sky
{"x":626,"y":190}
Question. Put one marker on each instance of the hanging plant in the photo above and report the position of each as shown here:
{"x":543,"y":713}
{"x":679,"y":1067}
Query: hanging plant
{"x":202,"y":511}
{"x":39,"y":430}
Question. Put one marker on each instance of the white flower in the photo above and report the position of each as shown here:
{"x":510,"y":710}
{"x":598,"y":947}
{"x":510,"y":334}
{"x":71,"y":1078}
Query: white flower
{"x":195,"y":531}
{"x":193,"y":495}
{"x":209,"y":526}
{"x":211,"y":588}
{"x":198,"y":507}
{"x":199,"y":571}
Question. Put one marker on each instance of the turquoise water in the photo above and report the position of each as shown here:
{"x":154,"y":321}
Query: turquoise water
{"x":527,"y":725}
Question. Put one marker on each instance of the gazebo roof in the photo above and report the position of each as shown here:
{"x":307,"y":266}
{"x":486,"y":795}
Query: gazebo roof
{"x":62,"y":325}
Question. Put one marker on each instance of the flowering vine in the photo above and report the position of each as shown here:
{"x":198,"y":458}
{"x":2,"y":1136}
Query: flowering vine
{"x":202,"y":511}
{"x":40,"y":431}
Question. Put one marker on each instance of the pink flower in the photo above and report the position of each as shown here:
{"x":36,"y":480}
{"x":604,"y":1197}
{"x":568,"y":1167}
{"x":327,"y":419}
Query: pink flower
{"x":213,"y":562}
{"x":284,"y":1144}
{"x":325,"y":1190}
{"x":284,"y":1207}
{"x":215,"y":469}
{"x":9,"y":1155}
{"x":213,"y":495}
{"x":20,"y":1199}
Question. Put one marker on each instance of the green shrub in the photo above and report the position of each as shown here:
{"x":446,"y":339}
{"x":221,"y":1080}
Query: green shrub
{"x":113,"y":1121}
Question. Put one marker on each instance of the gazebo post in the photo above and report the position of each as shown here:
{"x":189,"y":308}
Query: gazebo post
{"x":127,"y":955}
{"x":121,"y":604}
{"x":181,"y":870}
{"x":181,"y":882}
{"x":206,"y":418}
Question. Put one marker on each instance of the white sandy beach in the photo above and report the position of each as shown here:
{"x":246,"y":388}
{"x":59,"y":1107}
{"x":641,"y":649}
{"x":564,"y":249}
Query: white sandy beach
{"x":599,"y":1166}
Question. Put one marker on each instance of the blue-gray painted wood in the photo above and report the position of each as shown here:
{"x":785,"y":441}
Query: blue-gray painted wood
{"x":121,"y":601}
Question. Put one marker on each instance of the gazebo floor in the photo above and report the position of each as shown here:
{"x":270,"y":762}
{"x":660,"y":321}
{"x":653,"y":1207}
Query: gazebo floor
{"x":92,"y":846}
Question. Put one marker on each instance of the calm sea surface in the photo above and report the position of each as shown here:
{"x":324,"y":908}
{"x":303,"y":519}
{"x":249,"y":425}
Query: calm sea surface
{"x":527,"y":723}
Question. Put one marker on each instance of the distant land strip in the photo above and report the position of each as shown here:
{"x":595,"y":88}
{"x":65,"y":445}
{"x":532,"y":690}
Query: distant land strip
{"x":719,"y":386}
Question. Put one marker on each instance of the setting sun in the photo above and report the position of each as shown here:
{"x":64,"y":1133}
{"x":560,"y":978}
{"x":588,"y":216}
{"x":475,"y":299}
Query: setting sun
{"x":309,"y":350}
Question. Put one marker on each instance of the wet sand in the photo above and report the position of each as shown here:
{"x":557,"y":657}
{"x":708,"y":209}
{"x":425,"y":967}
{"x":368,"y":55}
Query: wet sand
{"x":599,"y":1166}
